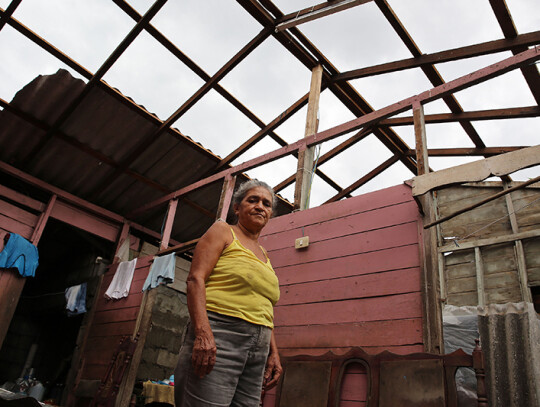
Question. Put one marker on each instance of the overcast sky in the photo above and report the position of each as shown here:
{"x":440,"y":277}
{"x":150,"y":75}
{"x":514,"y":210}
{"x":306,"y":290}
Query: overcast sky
{"x":210,"y":32}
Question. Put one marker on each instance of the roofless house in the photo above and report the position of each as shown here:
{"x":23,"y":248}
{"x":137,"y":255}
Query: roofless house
{"x":89,"y":176}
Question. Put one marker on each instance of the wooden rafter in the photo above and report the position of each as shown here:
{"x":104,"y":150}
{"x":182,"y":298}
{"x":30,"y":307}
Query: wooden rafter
{"x":223,"y":92}
{"x":327,"y":156}
{"x":429,"y":70}
{"x":316,"y":12}
{"x":494,"y":114}
{"x":294,"y":41}
{"x":490,"y":47}
{"x":457,"y":152}
{"x":365,"y":121}
{"x":151,"y":138}
{"x":530,"y":73}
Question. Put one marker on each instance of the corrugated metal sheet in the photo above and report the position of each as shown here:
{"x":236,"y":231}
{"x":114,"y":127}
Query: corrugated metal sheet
{"x":101,"y":133}
{"x":510,"y":335}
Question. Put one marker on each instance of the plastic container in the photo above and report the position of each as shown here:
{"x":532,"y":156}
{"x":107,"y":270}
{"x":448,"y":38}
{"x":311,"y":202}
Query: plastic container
{"x":37,"y":391}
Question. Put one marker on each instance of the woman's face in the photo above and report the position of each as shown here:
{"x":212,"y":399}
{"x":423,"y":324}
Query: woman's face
{"x":255,"y":209}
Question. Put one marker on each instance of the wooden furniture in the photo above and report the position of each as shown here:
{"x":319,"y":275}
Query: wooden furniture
{"x":419,"y":379}
{"x":108,"y":389}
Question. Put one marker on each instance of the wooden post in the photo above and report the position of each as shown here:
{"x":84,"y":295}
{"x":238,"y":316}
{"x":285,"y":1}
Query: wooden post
{"x":305,"y":156}
{"x":166,"y":236}
{"x":518,"y":249}
{"x":42,"y":221}
{"x":431,"y":305}
{"x":480,"y":277}
{"x":226,"y":196}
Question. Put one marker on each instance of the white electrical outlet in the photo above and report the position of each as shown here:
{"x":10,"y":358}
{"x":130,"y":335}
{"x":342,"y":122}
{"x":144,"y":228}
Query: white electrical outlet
{"x":301,"y":242}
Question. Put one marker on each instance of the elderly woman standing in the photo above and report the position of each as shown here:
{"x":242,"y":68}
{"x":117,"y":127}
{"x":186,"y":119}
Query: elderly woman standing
{"x":229,"y":351}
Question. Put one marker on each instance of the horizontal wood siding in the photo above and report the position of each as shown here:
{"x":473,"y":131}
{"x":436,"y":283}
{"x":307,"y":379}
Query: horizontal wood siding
{"x":112,"y":320}
{"x":357,"y":284}
{"x":501,"y":277}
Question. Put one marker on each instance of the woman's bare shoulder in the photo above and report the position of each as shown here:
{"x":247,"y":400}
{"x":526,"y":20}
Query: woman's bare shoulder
{"x":219,"y":231}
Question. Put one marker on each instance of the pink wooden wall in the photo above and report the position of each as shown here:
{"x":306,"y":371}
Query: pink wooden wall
{"x":357,"y":284}
{"x":112,"y":320}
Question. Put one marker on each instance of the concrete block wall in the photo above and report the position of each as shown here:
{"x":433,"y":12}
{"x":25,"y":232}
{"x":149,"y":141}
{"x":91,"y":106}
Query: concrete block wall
{"x":169,"y":319}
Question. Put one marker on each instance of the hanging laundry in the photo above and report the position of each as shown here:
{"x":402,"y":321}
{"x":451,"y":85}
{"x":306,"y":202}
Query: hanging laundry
{"x":76,"y":299}
{"x":121,"y":282}
{"x":161,"y":272}
{"x":19,"y":253}
{"x":123,"y":250}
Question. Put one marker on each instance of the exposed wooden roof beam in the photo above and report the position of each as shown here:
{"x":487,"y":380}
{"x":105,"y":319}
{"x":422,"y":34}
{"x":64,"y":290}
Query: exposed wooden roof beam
{"x":147,"y":141}
{"x":429,"y":70}
{"x":294,"y":41}
{"x":530,"y":73}
{"x":455,"y":54}
{"x":456,"y":152}
{"x":315,"y":12}
{"x":365,"y":121}
{"x":494,"y":114}
{"x":327,"y":156}
{"x":4,"y":17}
{"x":223,"y":92}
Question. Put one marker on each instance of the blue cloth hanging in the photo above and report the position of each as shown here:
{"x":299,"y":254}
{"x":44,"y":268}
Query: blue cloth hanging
{"x":19,"y":253}
{"x":162,"y":271}
{"x":76,"y":299}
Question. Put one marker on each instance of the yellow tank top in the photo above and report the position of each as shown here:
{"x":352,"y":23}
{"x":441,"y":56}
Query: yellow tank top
{"x":243,"y":286}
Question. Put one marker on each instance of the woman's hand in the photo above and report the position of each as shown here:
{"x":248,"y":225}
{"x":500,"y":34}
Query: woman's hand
{"x":203,"y":357}
{"x":273,"y":371}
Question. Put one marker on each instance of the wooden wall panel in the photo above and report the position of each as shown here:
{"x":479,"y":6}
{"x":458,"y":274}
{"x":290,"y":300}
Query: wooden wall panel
{"x":500,"y":265}
{"x":112,"y":320}
{"x":357,"y":284}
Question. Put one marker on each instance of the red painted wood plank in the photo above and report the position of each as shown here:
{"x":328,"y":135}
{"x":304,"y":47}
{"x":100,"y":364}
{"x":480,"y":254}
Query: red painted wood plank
{"x":364,"y":263}
{"x":21,"y":199}
{"x":121,"y":315}
{"x":14,"y":226}
{"x":94,"y":371}
{"x":374,"y":333}
{"x":103,"y":343}
{"x":402,"y":306}
{"x":362,"y":203}
{"x":380,"y":239}
{"x":370,"y":285}
{"x":18,"y":214}
{"x":348,"y":225}
{"x":113,"y":329}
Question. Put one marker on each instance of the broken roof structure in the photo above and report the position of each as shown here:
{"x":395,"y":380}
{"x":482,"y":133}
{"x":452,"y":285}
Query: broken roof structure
{"x":325,"y":102}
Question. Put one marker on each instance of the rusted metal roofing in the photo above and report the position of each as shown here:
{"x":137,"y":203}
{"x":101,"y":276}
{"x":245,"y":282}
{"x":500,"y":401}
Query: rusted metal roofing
{"x":90,"y":145}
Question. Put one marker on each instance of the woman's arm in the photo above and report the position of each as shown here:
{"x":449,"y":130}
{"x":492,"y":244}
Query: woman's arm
{"x":273,"y":365}
{"x":205,"y":257}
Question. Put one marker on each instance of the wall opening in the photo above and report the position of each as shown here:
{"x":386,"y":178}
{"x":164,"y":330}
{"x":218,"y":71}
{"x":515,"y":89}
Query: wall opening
{"x":42,"y":334}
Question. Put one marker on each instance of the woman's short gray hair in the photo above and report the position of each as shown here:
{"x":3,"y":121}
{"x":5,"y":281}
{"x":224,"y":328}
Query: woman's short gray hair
{"x":242,"y":191}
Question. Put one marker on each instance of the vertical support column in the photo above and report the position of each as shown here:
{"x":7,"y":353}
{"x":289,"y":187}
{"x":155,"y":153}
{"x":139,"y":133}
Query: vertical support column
{"x":480,"y":277}
{"x":431,"y":305}
{"x":166,"y":236}
{"x":305,"y":157}
{"x":226,"y":196}
{"x":518,"y":249}
{"x":42,"y":221}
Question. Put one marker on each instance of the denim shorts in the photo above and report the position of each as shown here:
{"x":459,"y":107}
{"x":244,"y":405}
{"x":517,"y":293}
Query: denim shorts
{"x":236,"y":379}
